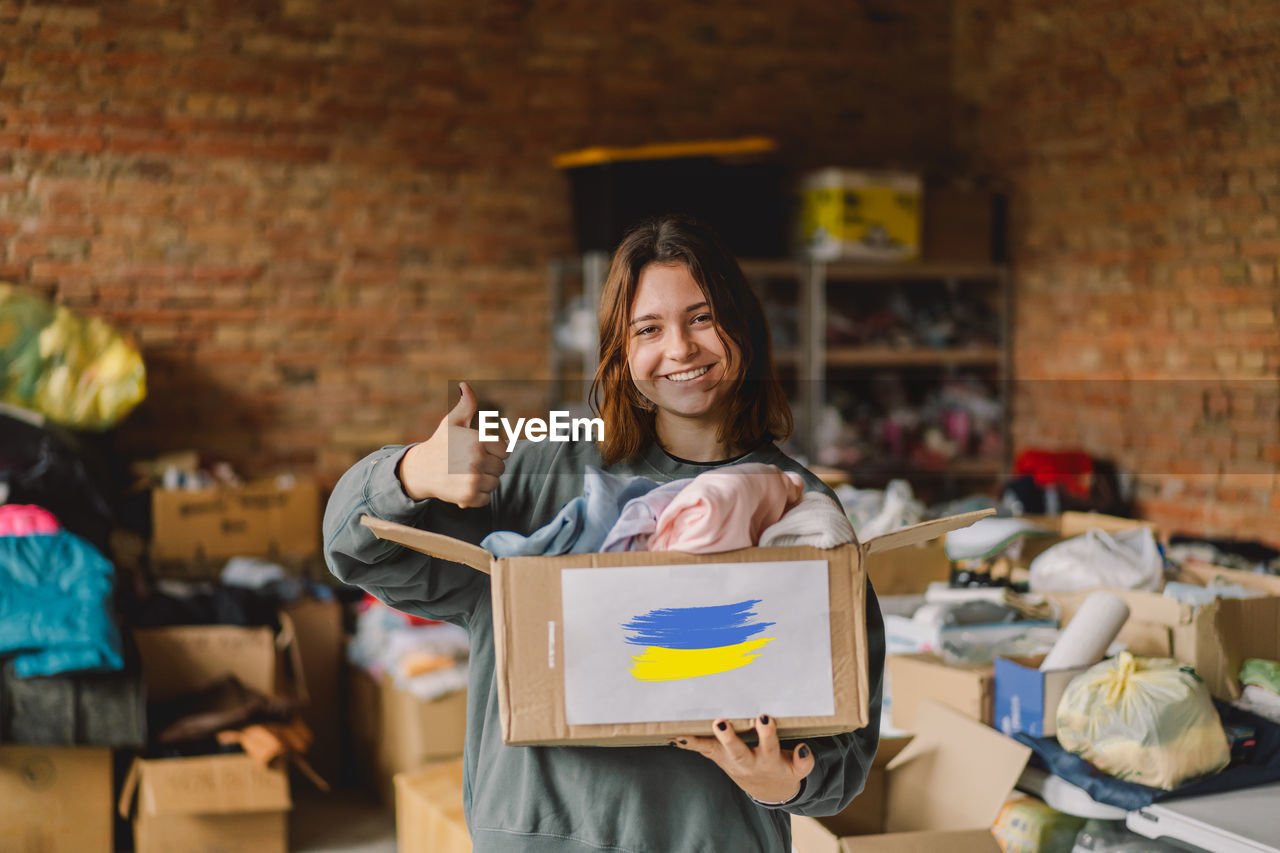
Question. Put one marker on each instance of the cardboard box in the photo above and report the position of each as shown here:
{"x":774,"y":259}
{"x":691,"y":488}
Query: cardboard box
{"x":1215,"y":638}
{"x":915,"y":680}
{"x":1026,"y":699}
{"x":55,"y":799}
{"x":318,"y":629}
{"x":941,"y":791}
{"x":207,"y":804}
{"x":429,"y":815}
{"x":860,"y":215}
{"x":529,"y":628}
{"x":910,"y":570}
{"x":266,"y":518}
{"x":394,"y":731}
{"x":188,"y":658}
{"x":1204,"y":574}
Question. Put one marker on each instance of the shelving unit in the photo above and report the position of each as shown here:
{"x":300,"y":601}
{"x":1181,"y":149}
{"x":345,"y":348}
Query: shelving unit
{"x":814,"y":367}
{"x":819,"y":368}
{"x":570,"y":368}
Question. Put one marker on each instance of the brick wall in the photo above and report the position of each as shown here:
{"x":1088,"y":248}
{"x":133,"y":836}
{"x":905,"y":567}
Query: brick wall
{"x":1141,"y":141}
{"x":313,"y":213}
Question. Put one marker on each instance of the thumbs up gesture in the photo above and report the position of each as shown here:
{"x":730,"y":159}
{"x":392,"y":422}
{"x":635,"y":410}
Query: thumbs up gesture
{"x":454,"y":465}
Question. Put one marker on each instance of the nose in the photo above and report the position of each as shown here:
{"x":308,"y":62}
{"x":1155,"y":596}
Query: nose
{"x":681,"y":345}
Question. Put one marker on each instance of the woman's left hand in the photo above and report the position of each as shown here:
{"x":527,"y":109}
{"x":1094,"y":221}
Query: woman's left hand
{"x":767,"y":772}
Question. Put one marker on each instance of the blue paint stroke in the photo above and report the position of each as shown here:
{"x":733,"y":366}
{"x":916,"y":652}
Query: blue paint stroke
{"x":696,"y":627}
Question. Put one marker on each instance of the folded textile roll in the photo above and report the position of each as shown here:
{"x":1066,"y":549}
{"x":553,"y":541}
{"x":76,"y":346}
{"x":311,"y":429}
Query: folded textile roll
{"x":816,"y":520}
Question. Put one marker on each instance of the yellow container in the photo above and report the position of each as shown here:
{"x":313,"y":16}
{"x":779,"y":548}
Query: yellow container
{"x":849,"y":214}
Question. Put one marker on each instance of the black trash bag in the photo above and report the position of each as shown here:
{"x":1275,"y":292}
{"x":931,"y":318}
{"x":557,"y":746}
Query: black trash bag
{"x":44,"y":465}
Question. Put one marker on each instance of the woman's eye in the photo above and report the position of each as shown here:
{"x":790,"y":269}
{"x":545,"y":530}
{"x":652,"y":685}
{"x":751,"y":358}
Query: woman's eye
{"x":702,"y":318}
{"x":646,"y":330}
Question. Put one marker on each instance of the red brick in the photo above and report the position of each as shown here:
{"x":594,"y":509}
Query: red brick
{"x":43,"y":142}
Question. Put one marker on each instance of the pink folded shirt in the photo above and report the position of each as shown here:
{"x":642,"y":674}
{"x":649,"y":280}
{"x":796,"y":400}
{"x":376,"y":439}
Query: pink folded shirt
{"x":726,"y":508}
{"x":27,"y":520}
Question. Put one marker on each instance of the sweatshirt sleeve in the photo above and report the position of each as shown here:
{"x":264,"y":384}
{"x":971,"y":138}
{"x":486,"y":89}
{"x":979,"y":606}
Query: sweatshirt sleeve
{"x":401,"y":577}
{"x":842,"y":762}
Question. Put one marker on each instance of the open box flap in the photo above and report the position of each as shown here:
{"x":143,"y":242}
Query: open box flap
{"x":956,"y":774}
{"x":952,"y":841}
{"x":128,"y":788}
{"x":924,"y":531}
{"x":433,"y":544}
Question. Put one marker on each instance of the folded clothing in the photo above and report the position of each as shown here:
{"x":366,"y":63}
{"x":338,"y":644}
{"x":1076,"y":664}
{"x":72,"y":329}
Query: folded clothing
{"x":1260,"y":766}
{"x":816,"y":520}
{"x":26,"y":520}
{"x":726,"y":508}
{"x":581,"y":525}
{"x":639,"y":518}
{"x":55,"y":602}
{"x":1260,"y":701}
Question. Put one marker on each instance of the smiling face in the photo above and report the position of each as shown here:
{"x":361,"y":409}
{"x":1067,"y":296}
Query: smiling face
{"x":675,"y":357}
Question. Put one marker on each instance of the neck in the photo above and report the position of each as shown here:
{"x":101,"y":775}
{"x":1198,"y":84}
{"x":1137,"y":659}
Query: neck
{"x":692,"y":440}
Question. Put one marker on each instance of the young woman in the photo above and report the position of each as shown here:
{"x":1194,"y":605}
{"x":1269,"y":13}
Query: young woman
{"x":687,"y":384}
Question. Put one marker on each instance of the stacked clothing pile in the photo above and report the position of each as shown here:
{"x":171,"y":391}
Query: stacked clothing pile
{"x":738,"y":506}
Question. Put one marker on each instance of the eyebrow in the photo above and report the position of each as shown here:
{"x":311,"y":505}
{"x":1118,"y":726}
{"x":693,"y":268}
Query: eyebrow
{"x":694,"y":307}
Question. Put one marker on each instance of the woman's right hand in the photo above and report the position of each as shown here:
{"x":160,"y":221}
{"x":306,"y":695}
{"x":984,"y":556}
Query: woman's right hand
{"x":454,"y":465}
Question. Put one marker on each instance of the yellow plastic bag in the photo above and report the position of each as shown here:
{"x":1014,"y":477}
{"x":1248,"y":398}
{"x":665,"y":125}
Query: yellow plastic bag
{"x":1144,"y":720}
{"x":75,"y":370}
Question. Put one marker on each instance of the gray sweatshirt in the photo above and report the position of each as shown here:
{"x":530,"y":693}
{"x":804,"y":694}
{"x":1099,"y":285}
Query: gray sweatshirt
{"x":658,"y":799}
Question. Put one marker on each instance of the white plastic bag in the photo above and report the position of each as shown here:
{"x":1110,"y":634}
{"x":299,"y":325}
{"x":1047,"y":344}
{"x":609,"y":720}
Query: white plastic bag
{"x":1128,"y":559}
{"x":1144,"y":720}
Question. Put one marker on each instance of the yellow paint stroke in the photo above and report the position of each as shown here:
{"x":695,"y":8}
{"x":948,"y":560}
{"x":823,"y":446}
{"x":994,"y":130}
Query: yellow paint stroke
{"x":658,"y":664}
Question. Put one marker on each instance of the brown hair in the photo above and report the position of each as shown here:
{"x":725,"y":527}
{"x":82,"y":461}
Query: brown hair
{"x":758,"y":409}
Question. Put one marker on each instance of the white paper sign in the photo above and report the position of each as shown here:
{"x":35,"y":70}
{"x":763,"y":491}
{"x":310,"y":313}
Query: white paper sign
{"x":653,"y":643}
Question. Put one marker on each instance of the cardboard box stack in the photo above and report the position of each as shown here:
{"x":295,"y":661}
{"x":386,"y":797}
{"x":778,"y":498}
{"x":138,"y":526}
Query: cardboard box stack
{"x":429,"y":815}
{"x":277,"y":518}
{"x":215,"y":802}
{"x":940,"y":790}
{"x":394,"y":732}
{"x":970,"y":688}
{"x":55,"y":799}
{"x":192,"y":803}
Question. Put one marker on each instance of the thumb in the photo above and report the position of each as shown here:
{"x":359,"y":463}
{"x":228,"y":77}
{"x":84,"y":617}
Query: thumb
{"x":466,"y":408}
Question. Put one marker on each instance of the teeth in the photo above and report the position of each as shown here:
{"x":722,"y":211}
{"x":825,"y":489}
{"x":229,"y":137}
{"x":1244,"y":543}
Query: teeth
{"x":689,"y":374}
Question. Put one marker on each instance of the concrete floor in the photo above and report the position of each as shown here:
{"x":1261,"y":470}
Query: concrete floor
{"x":345,"y":821}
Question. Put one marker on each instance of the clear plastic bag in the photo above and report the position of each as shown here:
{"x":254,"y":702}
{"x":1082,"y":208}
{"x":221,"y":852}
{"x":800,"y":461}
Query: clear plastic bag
{"x":1102,"y":836}
{"x":77,"y":371}
{"x":1128,"y":559}
{"x":1144,"y":720}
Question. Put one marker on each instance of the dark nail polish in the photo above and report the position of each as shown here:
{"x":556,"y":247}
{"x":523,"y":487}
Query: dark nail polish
{"x":764,"y":718}
{"x":722,"y":725}
{"x":803,"y":752}
{"x":683,"y":742}
{"x":671,"y":743}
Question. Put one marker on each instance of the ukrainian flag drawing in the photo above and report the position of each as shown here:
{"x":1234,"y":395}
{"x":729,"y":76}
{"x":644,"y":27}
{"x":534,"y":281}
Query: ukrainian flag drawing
{"x":686,"y":642}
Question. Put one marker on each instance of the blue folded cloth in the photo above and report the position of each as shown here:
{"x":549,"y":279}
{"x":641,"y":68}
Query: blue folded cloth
{"x":1260,"y":765}
{"x":581,"y":525}
{"x":56,"y":605}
